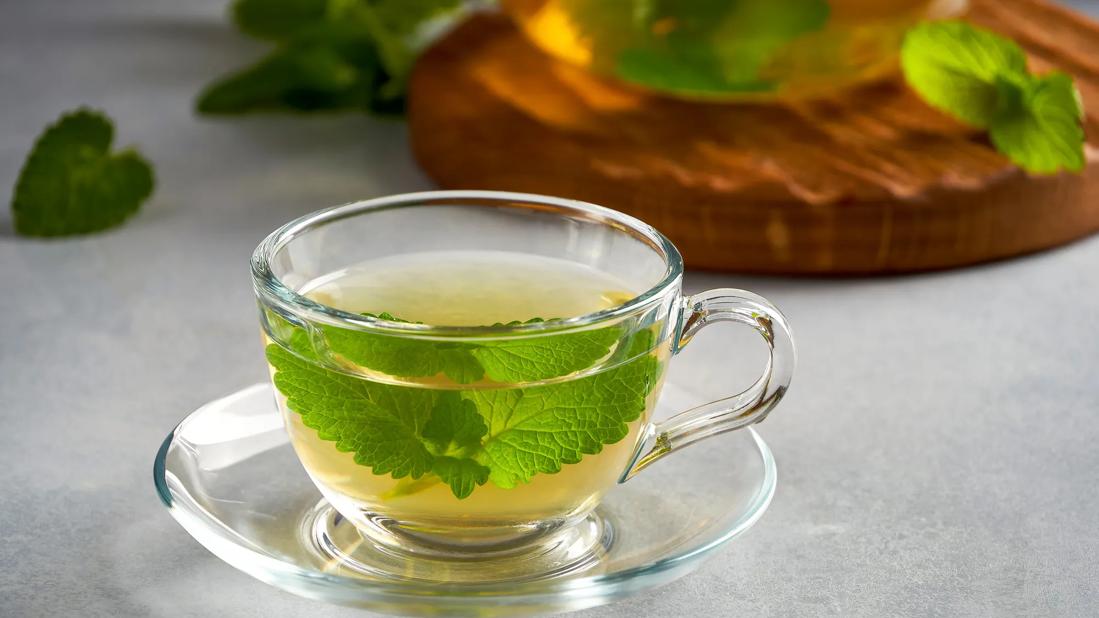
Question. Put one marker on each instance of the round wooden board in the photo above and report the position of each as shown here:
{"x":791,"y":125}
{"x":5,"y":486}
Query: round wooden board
{"x":872,"y":181}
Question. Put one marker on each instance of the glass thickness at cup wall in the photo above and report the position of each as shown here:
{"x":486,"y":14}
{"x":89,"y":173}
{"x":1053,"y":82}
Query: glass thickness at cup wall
{"x":728,"y":49}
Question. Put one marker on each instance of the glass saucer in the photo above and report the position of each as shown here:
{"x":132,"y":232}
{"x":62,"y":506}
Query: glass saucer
{"x":229,"y":476}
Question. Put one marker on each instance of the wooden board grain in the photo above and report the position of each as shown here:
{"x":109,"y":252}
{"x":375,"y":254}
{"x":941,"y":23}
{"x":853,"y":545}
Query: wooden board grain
{"x":870,"y":181}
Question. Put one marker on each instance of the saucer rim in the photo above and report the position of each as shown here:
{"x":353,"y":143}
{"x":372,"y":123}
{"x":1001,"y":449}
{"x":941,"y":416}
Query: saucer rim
{"x":304,"y":581}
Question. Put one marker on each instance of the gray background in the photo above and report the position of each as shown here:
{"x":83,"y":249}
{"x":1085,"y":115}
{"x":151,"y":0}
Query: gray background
{"x":938,"y":451}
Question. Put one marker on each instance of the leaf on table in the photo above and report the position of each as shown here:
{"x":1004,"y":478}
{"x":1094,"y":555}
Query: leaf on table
{"x":71,"y":183}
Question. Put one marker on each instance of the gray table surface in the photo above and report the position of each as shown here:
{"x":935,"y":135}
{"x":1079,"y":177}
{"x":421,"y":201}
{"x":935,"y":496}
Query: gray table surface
{"x":937,"y":453}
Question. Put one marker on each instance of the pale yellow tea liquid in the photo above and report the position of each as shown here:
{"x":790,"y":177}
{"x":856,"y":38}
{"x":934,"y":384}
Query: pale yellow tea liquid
{"x":728,"y":49}
{"x":465,"y":289}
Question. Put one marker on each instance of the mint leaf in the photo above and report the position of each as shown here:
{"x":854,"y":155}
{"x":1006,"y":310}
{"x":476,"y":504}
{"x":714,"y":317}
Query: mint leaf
{"x":323,"y":68}
{"x":1041,"y":130}
{"x":71,"y":183}
{"x":278,"y":19}
{"x":981,"y":79}
{"x":955,"y":68}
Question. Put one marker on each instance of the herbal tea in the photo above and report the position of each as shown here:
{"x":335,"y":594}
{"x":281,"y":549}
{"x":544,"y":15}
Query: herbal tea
{"x":728,"y":48}
{"x":484,"y":435}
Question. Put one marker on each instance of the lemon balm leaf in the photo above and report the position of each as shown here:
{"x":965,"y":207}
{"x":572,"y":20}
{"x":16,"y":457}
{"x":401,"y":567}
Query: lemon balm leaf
{"x":466,"y":438}
{"x":342,"y":409}
{"x":955,"y":68}
{"x":454,"y":426}
{"x":71,"y":183}
{"x":981,"y":79}
{"x":402,"y":432}
{"x":1041,"y":131}
{"x":528,"y":359}
{"x":405,"y":357}
{"x":524,"y":359}
{"x":462,"y":474}
{"x":539,"y":429}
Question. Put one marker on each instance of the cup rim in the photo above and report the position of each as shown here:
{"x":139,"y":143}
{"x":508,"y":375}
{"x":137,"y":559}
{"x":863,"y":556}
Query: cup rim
{"x":270,"y":288}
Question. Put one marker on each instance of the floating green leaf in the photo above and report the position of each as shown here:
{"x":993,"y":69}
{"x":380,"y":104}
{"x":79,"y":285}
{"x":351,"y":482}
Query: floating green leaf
{"x":466,"y":438}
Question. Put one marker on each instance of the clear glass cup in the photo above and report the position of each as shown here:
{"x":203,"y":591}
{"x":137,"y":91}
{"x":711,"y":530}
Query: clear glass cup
{"x":729,"y":49}
{"x":529,"y":519}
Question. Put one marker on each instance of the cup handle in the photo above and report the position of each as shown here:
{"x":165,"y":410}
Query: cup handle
{"x":730,"y":413}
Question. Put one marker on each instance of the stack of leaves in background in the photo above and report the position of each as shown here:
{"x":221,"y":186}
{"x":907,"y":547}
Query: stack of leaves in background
{"x":330,"y":55}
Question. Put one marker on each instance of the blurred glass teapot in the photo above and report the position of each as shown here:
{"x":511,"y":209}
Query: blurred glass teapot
{"x":729,"y":49}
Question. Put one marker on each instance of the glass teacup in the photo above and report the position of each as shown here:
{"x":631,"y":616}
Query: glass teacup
{"x":485,"y":448}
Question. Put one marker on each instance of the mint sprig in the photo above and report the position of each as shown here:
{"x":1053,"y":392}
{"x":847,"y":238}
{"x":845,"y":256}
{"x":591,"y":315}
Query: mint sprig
{"x":72,"y":183}
{"x":467,"y":438}
{"x":324,"y":68}
{"x":982,"y":79}
{"x":278,"y":20}
{"x":1039,"y":126}
{"x":329,"y":55}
